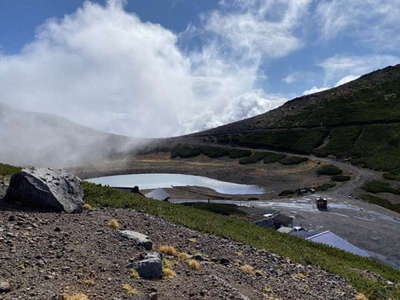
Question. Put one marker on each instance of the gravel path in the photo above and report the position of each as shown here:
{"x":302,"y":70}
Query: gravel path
{"x":45,"y":255}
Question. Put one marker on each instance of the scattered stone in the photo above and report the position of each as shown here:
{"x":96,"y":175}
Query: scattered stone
{"x":150,"y":267}
{"x":5,"y":287}
{"x":224,"y":261}
{"x":47,"y":189}
{"x":153,"y":296}
{"x":139,"y":238}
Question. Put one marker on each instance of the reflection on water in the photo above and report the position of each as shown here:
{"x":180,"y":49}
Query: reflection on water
{"x":152,"y":181}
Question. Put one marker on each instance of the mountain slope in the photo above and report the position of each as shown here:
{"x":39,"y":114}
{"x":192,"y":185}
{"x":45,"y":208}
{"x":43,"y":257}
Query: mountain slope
{"x":359,"y":121}
{"x":28,"y":138}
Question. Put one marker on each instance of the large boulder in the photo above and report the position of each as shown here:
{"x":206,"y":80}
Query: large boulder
{"x":138,"y":238}
{"x":150,"y":267}
{"x":47,"y":189}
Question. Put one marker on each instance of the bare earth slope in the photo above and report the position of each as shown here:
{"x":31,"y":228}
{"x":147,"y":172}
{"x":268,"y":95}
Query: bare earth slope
{"x":54,"y":254}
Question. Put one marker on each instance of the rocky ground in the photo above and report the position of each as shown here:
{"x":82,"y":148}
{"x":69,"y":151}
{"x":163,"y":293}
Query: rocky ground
{"x":47,"y":255}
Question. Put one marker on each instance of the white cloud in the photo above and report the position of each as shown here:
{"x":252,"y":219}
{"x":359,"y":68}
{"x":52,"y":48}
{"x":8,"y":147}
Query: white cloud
{"x":314,"y":90}
{"x":105,"y":68}
{"x":376,"y":23}
{"x":338,"y":70}
{"x":253,"y":27}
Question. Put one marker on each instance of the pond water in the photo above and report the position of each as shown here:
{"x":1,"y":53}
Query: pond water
{"x":153,"y":181}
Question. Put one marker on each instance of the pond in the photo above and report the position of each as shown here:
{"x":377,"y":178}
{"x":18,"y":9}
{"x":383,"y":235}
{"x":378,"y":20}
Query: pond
{"x":153,"y":181}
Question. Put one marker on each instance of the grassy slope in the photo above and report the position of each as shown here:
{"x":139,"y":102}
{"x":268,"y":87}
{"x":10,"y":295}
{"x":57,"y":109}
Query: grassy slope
{"x":336,"y":261}
{"x":333,"y":260}
{"x":361,"y":120}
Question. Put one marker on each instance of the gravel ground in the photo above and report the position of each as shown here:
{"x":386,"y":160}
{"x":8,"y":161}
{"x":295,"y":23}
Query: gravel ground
{"x":46,"y":255}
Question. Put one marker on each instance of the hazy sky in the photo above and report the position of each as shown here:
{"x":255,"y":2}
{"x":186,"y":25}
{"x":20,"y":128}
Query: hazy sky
{"x":166,"y":67}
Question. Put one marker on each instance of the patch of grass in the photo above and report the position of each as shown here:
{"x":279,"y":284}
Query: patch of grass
{"x":218,"y":208}
{"x":168,"y":273}
{"x":300,"y":251}
{"x":79,"y":296}
{"x":340,"y":141}
{"x":298,"y":141}
{"x":286,"y":193}
{"x":183,"y":256}
{"x":381,"y":202}
{"x":87,"y":207}
{"x":8,"y":170}
{"x":341,"y":178}
{"x":185,"y":151}
{"x":394,"y":175}
{"x":133,"y":273}
{"x":293,"y":160}
{"x":248,"y":269}
{"x":213,"y":152}
{"x":130,"y":290}
{"x":271,"y":157}
{"x":238,"y":153}
{"x":194,"y":264}
{"x":330,"y":170}
{"x":254,"y":158}
{"x":376,"y":186}
{"x":324,"y":187}
{"x":113,"y":223}
{"x":168,"y":250}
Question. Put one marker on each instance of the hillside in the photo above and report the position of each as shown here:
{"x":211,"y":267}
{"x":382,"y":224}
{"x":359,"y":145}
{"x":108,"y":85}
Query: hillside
{"x":213,"y":256}
{"x":48,"y":140}
{"x":359,"y":121}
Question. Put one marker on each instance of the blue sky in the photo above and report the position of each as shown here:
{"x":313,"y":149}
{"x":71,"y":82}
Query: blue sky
{"x":166,"y":67}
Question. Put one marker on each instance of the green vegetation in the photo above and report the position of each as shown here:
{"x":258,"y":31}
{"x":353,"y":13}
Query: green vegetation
{"x":185,"y":151}
{"x":329,"y":170}
{"x":340,"y":141}
{"x":299,"y":141}
{"x":218,"y":208}
{"x":271,"y":157}
{"x":8,"y":170}
{"x":341,"y":178}
{"x":293,"y":160}
{"x":376,"y":186}
{"x":252,"y":159}
{"x":324,"y":187}
{"x":286,"y":193}
{"x":189,"y":151}
{"x":394,"y":175}
{"x":345,"y":264}
{"x":213,"y":152}
{"x":381,"y":202}
{"x":237,"y":153}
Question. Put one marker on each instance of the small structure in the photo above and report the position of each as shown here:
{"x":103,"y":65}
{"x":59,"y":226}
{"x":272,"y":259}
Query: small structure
{"x":158,"y":194}
{"x":322,"y":204}
{"x":274,"y":219}
{"x":330,"y":239}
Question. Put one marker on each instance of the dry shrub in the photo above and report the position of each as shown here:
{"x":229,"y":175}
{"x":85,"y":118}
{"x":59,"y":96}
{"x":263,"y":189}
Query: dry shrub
{"x":247,"y":269}
{"x":360,"y":296}
{"x":183,"y":256}
{"x":168,"y":273}
{"x":89,"y":282}
{"x":113,"y":223}
{"x":133,"y":273}
{"x":87,"y":206}
{"x":79,"y":296}
{"x":194,"y":264}
{"x":168,"y":250}
{"x":130,"y":290}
